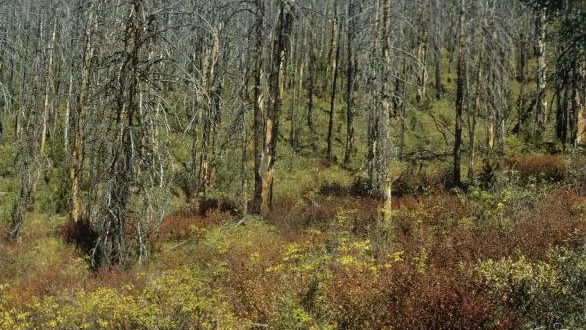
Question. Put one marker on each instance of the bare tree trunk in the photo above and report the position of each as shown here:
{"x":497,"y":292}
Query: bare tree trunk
{"x":75,"y":172}
{"x":460,"y":93}
{"x":258,"y":108}
{"x":210,"y":103}
{"x":472,"y":117}
{"x":112,"y":243}
{"x":350,"y":72}
{"x":541,"y":101}
{"x":439,"y":89}
{"x":276,"y":76}
{"x":48,"y":99}
{"x":421,"y":51}
{"x":334,"y":64}
{"x":23,"y":197}
{"x":580,"y":103}
{"x":562,"y":107}
{"x":27,"y":144}
{"x":378,"y":148}
{"x":67,"y":119}
{"x":244,"y":168}
{"x":310,"y":59}
{"x":399,"y":106}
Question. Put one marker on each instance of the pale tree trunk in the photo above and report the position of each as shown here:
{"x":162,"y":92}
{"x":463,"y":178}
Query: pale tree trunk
{"x":541,"y":101}
{"x":331,"y":49}
{"x":192,"y":180}
{"x":209,"y":101}
{"x":384,"y":144}
{"x":276,"y":75}
{"x":75,"y":172}
{"x":472,"y":116}
{"x":310,"y":59}
{"x":421,"y":51}
{"x":580,"y":104}
{"x":67,"y":119}
{"x":48,"y":98}
{"x":378,"y":148}
{"x":244,"y":166}
{"x":258,"y":107}
{"x":334,"y":65}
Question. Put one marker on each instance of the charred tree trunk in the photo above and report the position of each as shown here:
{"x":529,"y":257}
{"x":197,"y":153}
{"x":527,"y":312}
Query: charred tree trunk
{"x":258,"y":108}
{"x":112,"y":243}
{"x":276,"y":75}
{"x":460,"y":93}
{"x":75,"y":174}
{"x":378,"y":148}
{"x":211,"y":93}
{"x":350,"y":80}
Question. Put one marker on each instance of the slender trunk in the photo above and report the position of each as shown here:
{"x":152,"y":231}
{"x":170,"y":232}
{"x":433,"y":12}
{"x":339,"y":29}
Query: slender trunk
{"x":460,"y":92}
{"x":378,"y":155}
{"x":75,"y":211}
{"x":67,"y":119}
{"x":541,"y":101}
{"x":490,"y":128}
{"x":399,"y":106}
{"x":331,"y":51}
{"x":23,"y":197}
{"x":472,"y":117}
{"x":580,"y":104}
{"x":336,"y":58}
{"x":310,"y":58}
{"x":561,"y":108}
{"x":276,"y":76}
{"x":192,"y":179}
{"x":421,"y":51}
{"x":258,"y":108}
{"x":209,"y":101}
{"x":350,"y":71}
{"x":48,"y":90}
{"x":439,"y":89}
{"x":244,"y":168}
{"x":297,"y":89}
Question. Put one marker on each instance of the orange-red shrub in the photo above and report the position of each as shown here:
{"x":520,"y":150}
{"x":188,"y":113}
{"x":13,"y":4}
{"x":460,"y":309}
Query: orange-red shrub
{"x":79,"y":233}
{"x":550,"y":168}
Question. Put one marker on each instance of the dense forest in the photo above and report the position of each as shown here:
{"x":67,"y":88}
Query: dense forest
{"x":292,"y":164}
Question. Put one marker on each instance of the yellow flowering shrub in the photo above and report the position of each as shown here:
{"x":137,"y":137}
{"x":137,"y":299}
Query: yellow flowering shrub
{"x":10,"y":317}
{"x":178,"y":299}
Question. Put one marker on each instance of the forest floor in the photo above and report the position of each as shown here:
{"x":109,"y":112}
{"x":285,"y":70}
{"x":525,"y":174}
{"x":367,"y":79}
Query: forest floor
{"x":506,"y":254}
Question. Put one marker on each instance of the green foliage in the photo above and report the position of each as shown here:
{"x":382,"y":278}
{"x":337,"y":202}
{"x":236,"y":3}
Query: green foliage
{"x":488,"y":207}
{"x":178,"y":299}
{"x":543,"y":293}
{"x":7,"y":154}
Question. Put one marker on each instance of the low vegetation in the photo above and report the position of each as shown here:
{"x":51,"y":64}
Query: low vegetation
{"x":507,"y":257}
